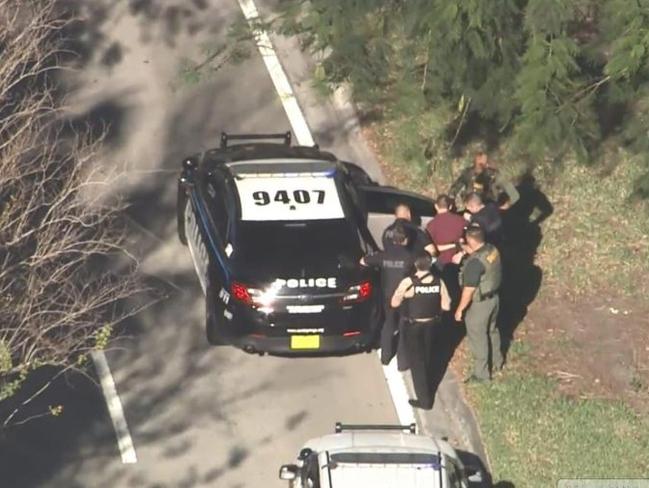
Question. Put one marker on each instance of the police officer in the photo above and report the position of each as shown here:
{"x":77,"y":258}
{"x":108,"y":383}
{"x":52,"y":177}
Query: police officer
{"x":480,"y":277}
{"x":425,"y":296}
{"x":418,"y":240}
{"x":485,"y":180}
{"x":487,"y":215}
{"x":396,"y":262}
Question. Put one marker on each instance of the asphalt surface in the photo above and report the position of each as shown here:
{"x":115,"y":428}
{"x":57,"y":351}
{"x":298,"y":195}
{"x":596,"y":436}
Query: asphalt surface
{"x":199,"y":416}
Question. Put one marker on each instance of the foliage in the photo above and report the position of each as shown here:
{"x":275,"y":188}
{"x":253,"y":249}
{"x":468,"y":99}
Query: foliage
{"x":554,"y":74}
{"x":59,"y":231}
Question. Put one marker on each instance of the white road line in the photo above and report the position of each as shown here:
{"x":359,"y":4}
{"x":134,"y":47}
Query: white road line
{"x":399,"y":393}
{"x":277,"y":74}
{"x":393,"y":377}
{"x":115,"y":409}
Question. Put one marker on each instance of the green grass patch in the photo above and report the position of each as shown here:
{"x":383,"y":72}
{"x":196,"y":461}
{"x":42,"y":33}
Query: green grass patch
{"x":535,"y":436}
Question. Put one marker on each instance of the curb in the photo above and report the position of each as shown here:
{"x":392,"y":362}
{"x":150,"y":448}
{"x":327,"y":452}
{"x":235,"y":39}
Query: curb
{"x":462,"y":414}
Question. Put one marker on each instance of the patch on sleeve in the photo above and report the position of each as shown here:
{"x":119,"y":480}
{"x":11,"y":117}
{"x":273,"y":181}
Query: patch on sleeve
{"x":492,"y":256}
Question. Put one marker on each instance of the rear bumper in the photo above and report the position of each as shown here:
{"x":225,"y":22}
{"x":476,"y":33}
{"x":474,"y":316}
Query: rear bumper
{"x":329,"y":345}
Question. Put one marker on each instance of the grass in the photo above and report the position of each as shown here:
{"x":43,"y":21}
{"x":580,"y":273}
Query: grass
{"x":536,"y":437}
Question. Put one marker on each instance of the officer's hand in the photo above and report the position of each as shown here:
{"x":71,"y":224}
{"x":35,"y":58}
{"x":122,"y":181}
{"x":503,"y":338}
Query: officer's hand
{"x":505,"y":206}
{"x":457,"y":257}
{"x":458,"y":315}
{"x":467,"y":216}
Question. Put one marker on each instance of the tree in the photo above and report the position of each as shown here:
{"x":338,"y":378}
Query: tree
{"x":547,"y":72}
{"x":59,"y":231}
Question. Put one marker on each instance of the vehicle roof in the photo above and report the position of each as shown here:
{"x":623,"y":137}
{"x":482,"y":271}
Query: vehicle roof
{"x":384,"y":476}
{"x":264,"y":150}
{"x":281,"y":167}
{"x":377,"y":473}
{"x":377,"y":441}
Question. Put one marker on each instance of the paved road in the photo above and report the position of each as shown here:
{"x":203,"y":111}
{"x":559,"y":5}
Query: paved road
{"x":198,"y":416}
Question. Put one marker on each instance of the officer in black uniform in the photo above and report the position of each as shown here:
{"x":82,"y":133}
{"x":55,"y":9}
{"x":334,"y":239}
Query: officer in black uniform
{"x":396,"y":262}
{"x":487,"y":216}
{"x":425,"y":296}
{"x":418,"y":239}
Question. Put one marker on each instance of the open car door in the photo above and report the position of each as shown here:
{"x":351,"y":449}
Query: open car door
{"x":380,"y":202}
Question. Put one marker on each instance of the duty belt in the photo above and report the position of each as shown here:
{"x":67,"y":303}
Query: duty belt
{"x":487,"y":296}
{"x":422,"y":321}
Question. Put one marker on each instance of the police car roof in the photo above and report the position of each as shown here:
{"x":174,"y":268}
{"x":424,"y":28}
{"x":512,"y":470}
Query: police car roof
{"x":264,"y":150}
{"x":279,"y":167}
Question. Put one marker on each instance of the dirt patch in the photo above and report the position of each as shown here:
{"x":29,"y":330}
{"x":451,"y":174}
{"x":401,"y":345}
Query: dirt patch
{"x":594,"y":347}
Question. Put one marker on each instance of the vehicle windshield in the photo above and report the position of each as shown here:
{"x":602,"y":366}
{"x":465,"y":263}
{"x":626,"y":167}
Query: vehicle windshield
{"x":288,"y":242}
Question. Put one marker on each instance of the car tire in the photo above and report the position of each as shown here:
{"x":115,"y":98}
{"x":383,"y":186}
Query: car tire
{"x":180,"y":215}
{"x":211,"y":320}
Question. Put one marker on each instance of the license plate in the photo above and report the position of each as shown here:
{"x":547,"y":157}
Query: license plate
{"x":305,"y":342}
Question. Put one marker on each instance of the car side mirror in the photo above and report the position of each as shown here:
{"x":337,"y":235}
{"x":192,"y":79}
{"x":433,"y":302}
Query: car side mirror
{"x":288,"y":472}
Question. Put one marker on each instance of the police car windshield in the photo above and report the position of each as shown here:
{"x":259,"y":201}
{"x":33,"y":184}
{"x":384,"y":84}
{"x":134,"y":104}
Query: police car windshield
{"x":288,"y":243}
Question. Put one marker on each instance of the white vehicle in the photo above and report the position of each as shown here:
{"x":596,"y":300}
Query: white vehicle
{"x":378,"y":456}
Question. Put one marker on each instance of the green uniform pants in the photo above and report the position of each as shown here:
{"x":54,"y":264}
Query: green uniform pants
{"x":484,"y":336}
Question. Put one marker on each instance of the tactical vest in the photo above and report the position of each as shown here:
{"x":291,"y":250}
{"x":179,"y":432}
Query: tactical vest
{"x":426,"y":303}
{"x":490,"y":281}
{"x":482,"y":183}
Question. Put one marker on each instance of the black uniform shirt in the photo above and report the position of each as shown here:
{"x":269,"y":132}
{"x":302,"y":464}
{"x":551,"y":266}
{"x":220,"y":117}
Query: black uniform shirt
{"x":395,"y":263}
{"x":417,"y":238}
{"x":491,"y":222}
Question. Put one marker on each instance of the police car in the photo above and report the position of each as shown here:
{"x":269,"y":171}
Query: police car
{"x":378,"y":456}
{"x":276,"y":232}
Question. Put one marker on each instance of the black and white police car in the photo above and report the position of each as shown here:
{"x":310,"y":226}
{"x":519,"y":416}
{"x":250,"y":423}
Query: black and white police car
{"x":379,"y":456}
{"x":276,"y":232}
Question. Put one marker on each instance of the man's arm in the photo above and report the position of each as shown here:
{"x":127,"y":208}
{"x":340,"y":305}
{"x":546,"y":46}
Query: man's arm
{"x":508,"y":187}
{"x":459,"y":184}
{"x":465,"y":301}
{"x":446,"y":247}
{"x":471,"y":275}
{"x":431,"y":249}
{"x":400,"y":292}
{"x":446,"y":298}
{"x":373,"y":260}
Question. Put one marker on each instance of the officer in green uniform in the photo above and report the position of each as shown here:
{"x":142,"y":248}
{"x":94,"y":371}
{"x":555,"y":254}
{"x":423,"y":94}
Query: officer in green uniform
{"x":480,"y":278}
{"x":484,"y":180}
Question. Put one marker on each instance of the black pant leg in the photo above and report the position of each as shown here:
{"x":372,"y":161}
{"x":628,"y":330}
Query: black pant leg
{"x":388,"y":338}
{"x":403,"y":361}
{"x":418,"y":341}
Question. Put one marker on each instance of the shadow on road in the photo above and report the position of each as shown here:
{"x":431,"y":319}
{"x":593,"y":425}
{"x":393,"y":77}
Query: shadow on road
{"x":31,"y":453}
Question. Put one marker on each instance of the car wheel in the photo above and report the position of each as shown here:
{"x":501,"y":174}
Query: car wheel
{"x":180,"y":215}
{"x":211,"y":320}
